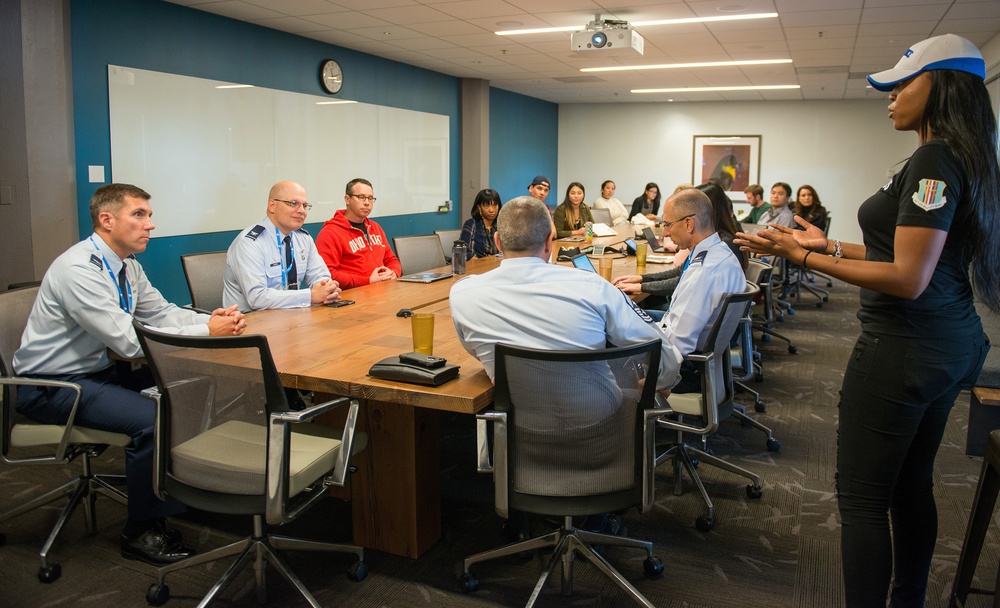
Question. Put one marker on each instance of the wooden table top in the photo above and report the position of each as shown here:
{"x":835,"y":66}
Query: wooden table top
{"x":330,"y":350}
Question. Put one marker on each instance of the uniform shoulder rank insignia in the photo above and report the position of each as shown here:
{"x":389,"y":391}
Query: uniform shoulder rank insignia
{"x":96,"y":261}
{"x":930,"y":194}
{"x":255,"y":232}
{"x":303,"y":231}
{"x":700,"y":258}
{"x":642,"y":313}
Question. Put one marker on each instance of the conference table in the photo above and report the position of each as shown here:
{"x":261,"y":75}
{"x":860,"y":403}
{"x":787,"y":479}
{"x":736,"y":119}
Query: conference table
{"x":395,"y":492}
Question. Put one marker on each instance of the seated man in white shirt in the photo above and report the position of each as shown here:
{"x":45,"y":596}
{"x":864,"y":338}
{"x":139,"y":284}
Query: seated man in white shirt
{"x":274,"y":264}
{"x":84,"y":307}
{"x":531,"y":303}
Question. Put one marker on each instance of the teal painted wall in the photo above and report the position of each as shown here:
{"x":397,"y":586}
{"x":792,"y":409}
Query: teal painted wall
{"x":155,"y":35}
{"x":524,"y":142}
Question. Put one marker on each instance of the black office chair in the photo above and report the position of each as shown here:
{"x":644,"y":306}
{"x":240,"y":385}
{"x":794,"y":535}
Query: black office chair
{"x":760,"y":273}
{"x":581,"y":446}
{"x":204,"y":273}
{"x":713,"y":404}
{"x":226,"y":442}
{"x":20,"y":438}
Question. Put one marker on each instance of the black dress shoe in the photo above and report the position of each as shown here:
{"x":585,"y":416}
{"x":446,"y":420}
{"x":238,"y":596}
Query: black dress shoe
{"x":154,"y":547}
{"x":172,"y":533}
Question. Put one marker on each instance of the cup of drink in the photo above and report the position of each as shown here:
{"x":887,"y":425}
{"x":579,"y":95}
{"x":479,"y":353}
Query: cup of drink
{"x":422,"y":325}
{"x":641,"y":249}
{"x":607,"y":264}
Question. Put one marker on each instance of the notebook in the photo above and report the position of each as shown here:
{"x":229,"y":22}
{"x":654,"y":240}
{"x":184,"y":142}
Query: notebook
{"x":425,"y":277}
{"x":603,"y":230}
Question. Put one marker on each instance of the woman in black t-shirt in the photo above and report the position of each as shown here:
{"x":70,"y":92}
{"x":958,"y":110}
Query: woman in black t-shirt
{"x":921,"y":340}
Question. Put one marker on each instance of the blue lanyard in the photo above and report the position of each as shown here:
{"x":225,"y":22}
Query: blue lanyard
{"x":124,"y":302}
{"x":281,"y":255}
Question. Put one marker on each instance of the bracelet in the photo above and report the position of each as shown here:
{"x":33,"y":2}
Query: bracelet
{"x":806,"y":257}
{"x":838,"y":249}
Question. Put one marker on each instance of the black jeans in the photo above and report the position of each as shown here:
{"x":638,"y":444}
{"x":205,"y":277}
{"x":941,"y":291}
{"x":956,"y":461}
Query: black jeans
{"x":895,"y":402}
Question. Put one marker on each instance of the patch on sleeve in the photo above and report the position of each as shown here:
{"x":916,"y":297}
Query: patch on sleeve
{"x":700,"y":258}
{"x":642,"y":313}
{"x":930,"y":195}
{"x":96,"y":261}
{"x":255,"y":232}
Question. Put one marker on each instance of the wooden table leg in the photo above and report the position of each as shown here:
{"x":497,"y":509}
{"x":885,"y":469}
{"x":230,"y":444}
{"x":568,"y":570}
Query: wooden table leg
{"x":396,"y":492}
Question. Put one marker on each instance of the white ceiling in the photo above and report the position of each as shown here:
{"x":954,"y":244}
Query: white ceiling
{"x":833,"y":43}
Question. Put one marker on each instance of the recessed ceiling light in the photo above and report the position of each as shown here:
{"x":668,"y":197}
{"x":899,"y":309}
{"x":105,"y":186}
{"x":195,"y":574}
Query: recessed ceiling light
{"x":674,"y":66}
{"x":731,"y":8}
{"x":509,"y":24}
{"x":235,"y":86}
{"x":387,"y":33}
{"x":756,"y":47}
{"x":774,"y":87}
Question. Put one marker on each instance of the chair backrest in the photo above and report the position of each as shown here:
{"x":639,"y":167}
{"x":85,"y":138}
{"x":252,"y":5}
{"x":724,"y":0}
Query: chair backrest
{"x":758,"y":272}
{"x":602,"y":216}
{"x":419,"y":253}
{"x":15,"y":306}
{"x":448,"y":238}
{"x":204,"y":272}
{"x":574,"y":426}
{"x":734,"y":308}
{"x":212,"y":422}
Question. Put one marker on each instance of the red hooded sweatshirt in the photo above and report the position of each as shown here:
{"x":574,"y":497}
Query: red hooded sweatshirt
{"x":349,"y":256}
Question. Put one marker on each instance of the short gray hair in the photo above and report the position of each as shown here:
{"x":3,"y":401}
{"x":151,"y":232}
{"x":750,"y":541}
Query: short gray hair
{"x":694,"y":202}
{"x":524,"y":225}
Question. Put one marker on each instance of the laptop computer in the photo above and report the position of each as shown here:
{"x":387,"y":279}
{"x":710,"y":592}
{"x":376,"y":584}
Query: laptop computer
{"x":654,"y":243}
{"x":425,"y":277}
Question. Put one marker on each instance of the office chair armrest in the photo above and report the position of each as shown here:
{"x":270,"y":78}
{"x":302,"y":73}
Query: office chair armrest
{"x":499,"y":468}
{"x":650,"y":420}
{"x":311,"y":412}
{"x":342,"y":466}
{"x":198,"y":310}
{"x":68,"y":426}
{"x":709,"y":399}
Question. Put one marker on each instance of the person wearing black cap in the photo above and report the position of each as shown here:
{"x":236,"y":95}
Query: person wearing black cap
{"x":924,"y":233}
{"x":539,"y":187}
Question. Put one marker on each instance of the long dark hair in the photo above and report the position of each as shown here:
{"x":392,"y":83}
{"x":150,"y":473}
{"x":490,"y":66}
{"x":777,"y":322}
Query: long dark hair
{"x":958,"y":111}
{"x":817,"y":206}
{"x":485,"y":195}
{"x":722,"y":216}
{"x":659,"y":194}
{"x":570,"y":187}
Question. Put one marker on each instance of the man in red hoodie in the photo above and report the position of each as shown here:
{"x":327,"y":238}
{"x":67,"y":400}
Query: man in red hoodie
{"x":356,"y":249}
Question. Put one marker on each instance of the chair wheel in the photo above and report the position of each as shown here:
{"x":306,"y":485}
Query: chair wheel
{"x":793,"y":349}
{"x":50,"y":573}
{"x":704,"y":524}
{"x":819,"y":304}
{"x":773,"y":445}
{"x":358,"y":571}
{"x":766,"y":338}
{"x":467,"y":582}
{"x":652,"y":566}
{"x":826,"y":298}
{"x":760,"y":406}
{"x":754,"y":491}
{"x":157,"y":594}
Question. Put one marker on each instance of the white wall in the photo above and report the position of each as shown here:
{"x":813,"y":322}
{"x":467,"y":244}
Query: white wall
{"x":844,"y":149}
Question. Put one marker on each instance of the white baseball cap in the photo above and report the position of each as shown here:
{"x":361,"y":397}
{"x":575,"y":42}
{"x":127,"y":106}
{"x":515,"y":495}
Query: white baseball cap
{"x":947,"y":52}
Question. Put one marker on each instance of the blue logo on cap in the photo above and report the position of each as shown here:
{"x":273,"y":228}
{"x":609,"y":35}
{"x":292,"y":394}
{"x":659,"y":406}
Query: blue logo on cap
{"x":908,"y":53}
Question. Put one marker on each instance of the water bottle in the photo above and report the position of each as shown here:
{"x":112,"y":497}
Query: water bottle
{"x":458,"y":253}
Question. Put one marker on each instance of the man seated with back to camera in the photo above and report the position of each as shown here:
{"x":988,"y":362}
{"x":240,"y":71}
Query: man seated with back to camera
{"x":531,"y":303}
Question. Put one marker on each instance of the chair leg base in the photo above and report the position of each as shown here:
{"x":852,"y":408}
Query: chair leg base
{"x":569,"y":542}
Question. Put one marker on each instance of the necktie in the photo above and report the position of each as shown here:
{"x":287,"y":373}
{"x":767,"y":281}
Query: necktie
{"x":293,"y":277}
{"x":123,"y":289}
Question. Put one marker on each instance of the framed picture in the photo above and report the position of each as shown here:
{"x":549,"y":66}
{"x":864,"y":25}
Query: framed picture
{"x":731,"y":160}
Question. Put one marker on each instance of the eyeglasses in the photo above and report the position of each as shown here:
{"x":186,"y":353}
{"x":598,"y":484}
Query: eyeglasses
{"x":667,"y":225}
{"x":362,"y":197}
{"x":295,"y":204}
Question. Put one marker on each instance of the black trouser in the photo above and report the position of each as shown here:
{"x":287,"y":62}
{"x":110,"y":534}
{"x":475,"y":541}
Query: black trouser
{"x":895,"y":402}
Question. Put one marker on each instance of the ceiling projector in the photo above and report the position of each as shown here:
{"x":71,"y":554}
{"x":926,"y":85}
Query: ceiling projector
{"x":607,"y":35}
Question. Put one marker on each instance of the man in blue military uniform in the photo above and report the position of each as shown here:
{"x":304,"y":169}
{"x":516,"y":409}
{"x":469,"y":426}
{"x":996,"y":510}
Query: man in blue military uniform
{"x":84,"y":307}
{"x":274,"y":264}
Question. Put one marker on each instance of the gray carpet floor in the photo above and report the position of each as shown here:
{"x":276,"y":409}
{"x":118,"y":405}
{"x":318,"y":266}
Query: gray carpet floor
{"x":779,"y":550}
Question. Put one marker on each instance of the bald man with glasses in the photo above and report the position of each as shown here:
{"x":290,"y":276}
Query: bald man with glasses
{"x":355,"y":248}
{"x":275,"y":264}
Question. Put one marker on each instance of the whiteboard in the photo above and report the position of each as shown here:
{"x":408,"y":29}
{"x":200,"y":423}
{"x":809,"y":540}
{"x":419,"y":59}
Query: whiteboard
{"x":209,"y":155}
